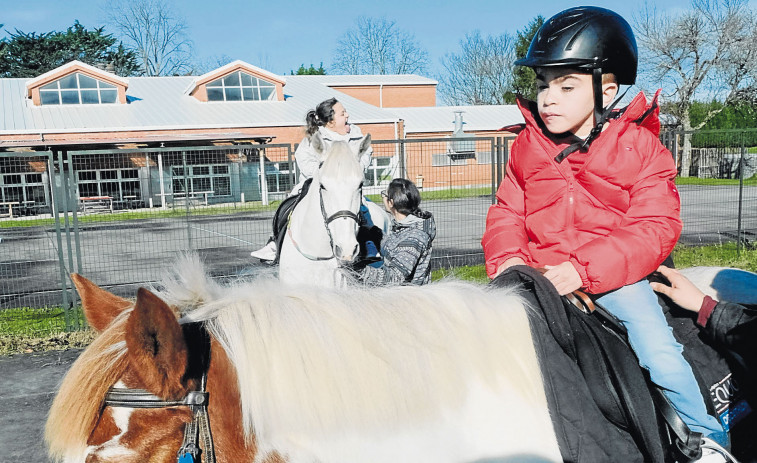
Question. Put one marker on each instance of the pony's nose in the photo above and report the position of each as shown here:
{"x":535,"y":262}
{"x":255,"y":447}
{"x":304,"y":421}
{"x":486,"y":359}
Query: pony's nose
{"x":341,"y":255}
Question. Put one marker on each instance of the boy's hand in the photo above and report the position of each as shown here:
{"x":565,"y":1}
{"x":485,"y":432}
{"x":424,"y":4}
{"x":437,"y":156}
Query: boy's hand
{"x":564,"y":277}
{"x":509,"y":263}
{"x":681,"y":290}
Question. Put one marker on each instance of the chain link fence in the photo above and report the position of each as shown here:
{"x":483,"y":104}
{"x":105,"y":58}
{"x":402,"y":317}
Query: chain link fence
{"x":718,"y":184}
{"x":120,"y":217}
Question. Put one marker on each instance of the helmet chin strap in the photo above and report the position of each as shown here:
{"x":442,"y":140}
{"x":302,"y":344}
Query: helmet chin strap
{"x":601,"y":115}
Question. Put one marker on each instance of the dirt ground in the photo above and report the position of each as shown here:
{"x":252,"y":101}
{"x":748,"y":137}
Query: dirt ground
{"x":27,"y":386}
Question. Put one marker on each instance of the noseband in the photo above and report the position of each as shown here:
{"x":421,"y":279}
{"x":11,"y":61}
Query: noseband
{"x":198,"y":346}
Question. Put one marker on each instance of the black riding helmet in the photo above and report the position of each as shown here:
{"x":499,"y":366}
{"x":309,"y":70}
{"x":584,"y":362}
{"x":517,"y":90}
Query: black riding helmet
{"x":588,"y":38}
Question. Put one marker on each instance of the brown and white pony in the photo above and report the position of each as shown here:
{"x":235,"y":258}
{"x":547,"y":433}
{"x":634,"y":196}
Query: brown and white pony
{"x":439,"y":373}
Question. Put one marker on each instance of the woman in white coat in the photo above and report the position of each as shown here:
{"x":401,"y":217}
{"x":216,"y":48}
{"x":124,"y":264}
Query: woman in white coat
{"x":331,"y":119}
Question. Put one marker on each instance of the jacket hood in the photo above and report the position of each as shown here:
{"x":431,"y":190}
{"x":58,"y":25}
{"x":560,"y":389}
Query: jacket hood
{"x":425,"y":223}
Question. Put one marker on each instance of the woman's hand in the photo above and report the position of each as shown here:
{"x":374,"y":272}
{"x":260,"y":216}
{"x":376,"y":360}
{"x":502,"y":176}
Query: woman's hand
{"x":564,"y":277}
{"x":681,"y":290}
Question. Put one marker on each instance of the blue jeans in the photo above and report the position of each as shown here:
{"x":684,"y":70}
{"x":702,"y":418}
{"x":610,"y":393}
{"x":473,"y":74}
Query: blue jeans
{"x":652,"y":340}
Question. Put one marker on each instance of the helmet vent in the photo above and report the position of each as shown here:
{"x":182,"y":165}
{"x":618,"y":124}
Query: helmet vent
{"x":576,"y":35}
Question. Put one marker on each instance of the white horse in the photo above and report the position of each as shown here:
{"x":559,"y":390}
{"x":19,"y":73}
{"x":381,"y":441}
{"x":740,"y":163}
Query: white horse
{"x":321,"y":235}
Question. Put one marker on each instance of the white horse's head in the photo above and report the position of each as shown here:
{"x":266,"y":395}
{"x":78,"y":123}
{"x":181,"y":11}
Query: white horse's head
{"x":338,"y":187}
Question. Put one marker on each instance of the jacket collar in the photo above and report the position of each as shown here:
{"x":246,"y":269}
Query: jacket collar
{"x":637,"y":111}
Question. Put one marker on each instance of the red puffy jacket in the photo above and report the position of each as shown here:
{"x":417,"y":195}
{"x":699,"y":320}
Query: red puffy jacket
{"x":616,"y":219}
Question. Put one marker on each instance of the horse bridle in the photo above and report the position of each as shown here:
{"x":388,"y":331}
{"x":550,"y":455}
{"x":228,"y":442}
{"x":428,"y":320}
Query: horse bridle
{"x":327,"y":219}
{"x":196,"y":430}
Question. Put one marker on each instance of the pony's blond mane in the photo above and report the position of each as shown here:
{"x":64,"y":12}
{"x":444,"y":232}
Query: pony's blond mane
{"x":76,"y":408}
{"x":314,"y":361}
{"x":318,"y":361}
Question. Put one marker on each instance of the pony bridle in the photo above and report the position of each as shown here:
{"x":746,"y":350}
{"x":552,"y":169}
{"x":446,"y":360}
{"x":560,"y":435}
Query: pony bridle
{"x":197,"y":430}
{"x":327,"y":219}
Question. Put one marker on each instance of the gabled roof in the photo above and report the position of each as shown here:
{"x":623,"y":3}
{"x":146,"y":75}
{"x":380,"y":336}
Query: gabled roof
{"x":237,"y":65}
{"x":71,"y":67}
{"x":161,"y":103}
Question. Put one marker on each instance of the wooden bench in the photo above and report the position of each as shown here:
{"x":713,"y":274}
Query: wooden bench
{"x":10,"y":205}
{"x":95,"y":204}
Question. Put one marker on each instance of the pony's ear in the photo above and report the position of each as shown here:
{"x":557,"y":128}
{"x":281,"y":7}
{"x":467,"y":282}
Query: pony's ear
{"x":365,"y":145}
{"x":100,"y":306}
{"x":316,"y":141}
{"x":156,"y":346}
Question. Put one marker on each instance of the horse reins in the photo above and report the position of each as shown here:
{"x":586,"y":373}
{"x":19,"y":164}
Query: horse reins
{"x":196,"y":431}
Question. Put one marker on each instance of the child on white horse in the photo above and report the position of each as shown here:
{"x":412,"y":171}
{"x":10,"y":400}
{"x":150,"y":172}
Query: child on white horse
{"x":589,"y":193}
{"x":331,"y":119}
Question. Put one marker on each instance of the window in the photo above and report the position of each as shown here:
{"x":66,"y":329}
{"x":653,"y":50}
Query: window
{"x":380,"y":171}
{"x":240,"y":86}
{"x":213,"y":179}
{"x":76,"y":88}
{"x":278,"y":178}
{"x":119,"y":184}
{"x":22,"y":188}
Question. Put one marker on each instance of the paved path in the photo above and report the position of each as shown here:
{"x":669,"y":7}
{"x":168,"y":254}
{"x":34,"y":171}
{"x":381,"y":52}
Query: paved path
{"x":27,"y":386}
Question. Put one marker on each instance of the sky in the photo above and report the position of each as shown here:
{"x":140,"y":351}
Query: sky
{"x":280,"y":35}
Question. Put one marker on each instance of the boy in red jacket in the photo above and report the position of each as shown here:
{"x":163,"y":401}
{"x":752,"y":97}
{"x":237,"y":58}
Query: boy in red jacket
{"x":589,"y":193}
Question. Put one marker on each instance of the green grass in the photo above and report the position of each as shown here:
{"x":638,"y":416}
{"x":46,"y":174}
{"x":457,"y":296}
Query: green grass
{"x":28,"y":321}
{"x":155,"y":213}
{"x":722,"y":255}
{"x":751,"y":181}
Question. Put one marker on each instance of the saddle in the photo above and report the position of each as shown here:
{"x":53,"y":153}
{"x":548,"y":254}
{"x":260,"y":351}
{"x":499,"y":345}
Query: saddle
{"x":602,"y":402}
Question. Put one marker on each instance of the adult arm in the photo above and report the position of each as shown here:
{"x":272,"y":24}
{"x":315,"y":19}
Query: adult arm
{"x":731,"y":324}
{"x":307,"y":159}
{"x":649,"y":228}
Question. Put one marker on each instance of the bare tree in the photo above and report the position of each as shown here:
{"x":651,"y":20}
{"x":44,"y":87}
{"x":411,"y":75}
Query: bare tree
{"x":707,"y":52}
{"x":378,"y":46}
{"x":481,"y":73}
{"x":157,"y":34}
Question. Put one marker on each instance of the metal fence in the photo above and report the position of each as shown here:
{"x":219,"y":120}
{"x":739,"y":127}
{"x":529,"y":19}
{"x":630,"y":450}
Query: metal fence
{"x":120,"y":217}
{"x":717,"y":183}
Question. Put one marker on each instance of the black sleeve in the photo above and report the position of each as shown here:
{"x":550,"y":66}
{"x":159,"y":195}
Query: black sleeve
{"x":734,"y":326}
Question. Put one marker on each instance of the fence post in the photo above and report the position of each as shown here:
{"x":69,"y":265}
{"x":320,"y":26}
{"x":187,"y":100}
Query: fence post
{"x":494,"y":159}
{"x":741,"y":193}
{"x":403,"y":164}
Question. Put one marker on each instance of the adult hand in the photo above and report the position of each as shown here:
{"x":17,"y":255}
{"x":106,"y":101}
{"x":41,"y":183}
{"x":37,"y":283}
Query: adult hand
{"x":507,"y":264}
{"x":681,"y":290}
{"x":564,"y":277}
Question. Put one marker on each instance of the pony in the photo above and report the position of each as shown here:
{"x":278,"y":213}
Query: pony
{"x":320,"y":239}
{"x":439,"y":373}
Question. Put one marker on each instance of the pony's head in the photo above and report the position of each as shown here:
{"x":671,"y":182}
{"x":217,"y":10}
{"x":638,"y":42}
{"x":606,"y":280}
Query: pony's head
{"x":339,"y":185}
{"x":141,"y":345}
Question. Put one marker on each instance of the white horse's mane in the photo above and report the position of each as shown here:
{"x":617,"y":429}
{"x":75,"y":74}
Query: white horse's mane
{"x":317,"y":361}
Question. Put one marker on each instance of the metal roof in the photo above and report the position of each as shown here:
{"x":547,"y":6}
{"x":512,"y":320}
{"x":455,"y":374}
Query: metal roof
{"x":159,"y":103}
{"x":376,"y":79}
{"x":442,"y":118}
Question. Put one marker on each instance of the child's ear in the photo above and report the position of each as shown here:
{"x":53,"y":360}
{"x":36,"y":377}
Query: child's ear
{"x":609,"y":91}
